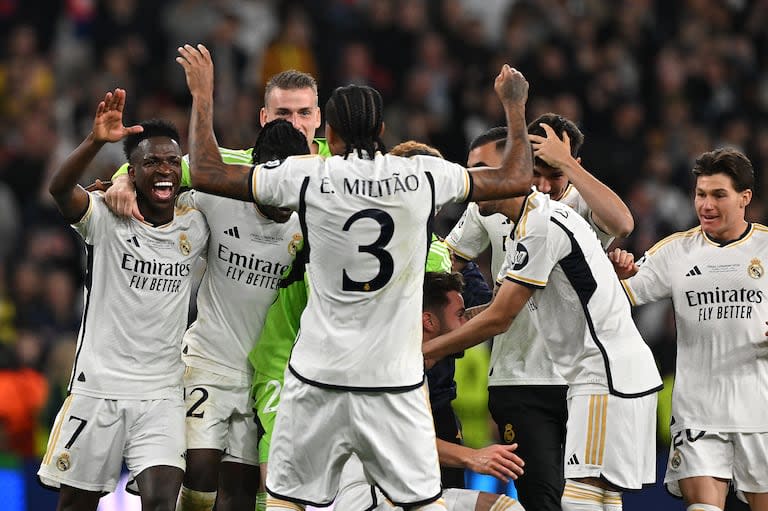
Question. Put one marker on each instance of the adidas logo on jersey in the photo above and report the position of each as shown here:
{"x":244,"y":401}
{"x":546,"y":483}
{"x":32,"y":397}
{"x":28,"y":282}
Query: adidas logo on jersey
{"x":232,"y":231}
{"x":693,"y":272}
{"x":133,"y":240}
{"x":573,"y":460}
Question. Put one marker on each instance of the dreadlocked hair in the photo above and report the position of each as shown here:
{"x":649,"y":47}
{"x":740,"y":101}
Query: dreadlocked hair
{"x":277,"y":140}
{"x":355,"y":112}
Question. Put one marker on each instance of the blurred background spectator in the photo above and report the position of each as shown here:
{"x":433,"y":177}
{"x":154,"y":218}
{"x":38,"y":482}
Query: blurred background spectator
{"x":651,"y":83}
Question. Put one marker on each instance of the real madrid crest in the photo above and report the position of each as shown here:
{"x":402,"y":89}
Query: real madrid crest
{"x":755,"y":269}
{"x":295,"y":244}
{"x":184,"y":245}
{"x":63,"y":462}
{"x":509,"y":433}
{"x":675,"y":460}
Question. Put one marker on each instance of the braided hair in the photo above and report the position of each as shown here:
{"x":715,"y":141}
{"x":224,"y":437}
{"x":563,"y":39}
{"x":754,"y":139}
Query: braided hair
{"x":277,"y":140}
{"x":356,"y":113}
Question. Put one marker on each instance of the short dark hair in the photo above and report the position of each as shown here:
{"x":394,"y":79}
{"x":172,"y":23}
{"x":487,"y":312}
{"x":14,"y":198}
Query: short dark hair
{"x":290,"y":79}
{"x":412,"y":148}
{"x":437,"y":285}
{"x":356,"y":114}
{"x":152,"y":128}
{"x":728,"y":161}
{"x":277,"y":140}
{"x":559,"y":125}
{"x":497,"y":134}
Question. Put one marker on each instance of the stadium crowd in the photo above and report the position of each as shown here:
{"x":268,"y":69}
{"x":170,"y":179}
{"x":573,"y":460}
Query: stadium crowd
{"x":651,"y":84}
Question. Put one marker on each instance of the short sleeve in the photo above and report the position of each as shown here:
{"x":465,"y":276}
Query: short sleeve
{"x":653,"y":281}
{"x":92,"y":225}
{"x":535,"y":252}
{"x":468,"y":238}
{"x":279,"y":182}
{"x":452,"y":181}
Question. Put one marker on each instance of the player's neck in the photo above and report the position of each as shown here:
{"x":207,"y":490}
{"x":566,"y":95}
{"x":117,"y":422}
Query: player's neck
{"x":155,"y":214}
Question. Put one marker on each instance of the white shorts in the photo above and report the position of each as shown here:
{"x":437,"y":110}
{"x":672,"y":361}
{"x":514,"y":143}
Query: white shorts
{"x":220,"y":416}
{"x":356,"y":492}
{"x":740,"y":457}
{"x":317,"y":430}
{"x":612,"y":438}
{"x":92,"y":436}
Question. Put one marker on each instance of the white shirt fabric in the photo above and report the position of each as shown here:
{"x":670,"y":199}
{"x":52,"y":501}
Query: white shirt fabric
{"x":247,"y":253}
{"x":519,"y":355}
{"x":720,"y":298}
{"x":366,"y":225}
{"x":579,"y":306}
{"x":136,"y":303}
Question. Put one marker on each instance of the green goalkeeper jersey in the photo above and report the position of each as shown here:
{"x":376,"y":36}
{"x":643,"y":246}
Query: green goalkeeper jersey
{"x":229,"y":156}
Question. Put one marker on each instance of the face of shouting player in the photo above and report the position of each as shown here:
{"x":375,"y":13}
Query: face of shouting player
{"x":155,"y":170}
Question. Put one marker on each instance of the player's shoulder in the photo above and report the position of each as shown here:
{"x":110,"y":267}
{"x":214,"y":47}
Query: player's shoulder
{"x":676,"y":240}
{"x":534,"y":214}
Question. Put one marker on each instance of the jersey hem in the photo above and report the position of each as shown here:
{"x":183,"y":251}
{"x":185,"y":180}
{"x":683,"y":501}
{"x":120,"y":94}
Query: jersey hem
{"x":333,"y":386}
{"x":297,"y":501}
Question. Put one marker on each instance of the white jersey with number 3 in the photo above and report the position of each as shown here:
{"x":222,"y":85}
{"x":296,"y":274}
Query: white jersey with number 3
{"x":367,"y":231}
{"x":720,"y":296}
{"x":136,"y":303}
{"x":579,"y":306}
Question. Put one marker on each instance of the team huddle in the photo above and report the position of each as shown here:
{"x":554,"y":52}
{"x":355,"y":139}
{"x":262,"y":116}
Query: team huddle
{"x":329,"y":314}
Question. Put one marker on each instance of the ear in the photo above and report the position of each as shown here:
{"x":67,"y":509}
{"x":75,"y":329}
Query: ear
{"x":263,"y":116}
{"x":132,"y":173}
{"x":746,"y":198}
{"x":429,"y":322}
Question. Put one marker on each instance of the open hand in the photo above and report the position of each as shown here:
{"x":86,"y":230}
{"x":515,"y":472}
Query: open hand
{"x":499,"y":461}
{"x":108,"y":123}
{"x":511,"y":86}
{"x":198,"y":68}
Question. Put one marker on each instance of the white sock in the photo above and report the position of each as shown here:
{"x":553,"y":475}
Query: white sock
{"x":504,"y":503}
{"x":612,"y":500}
{"x":193,"y":500}
{"x":581,"y":497}
{"x":702,"y":507}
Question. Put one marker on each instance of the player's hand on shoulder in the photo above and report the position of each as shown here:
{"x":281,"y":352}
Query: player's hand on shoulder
{"x":108,"y":123}
{"x":554,"y":152}
{"x":623,"y":263}
{"x":499,"y":461}
{"x":511,"y":86}
{"x":198,"y":68}
{"x":121,"y":198}
{"x":98,"y":186}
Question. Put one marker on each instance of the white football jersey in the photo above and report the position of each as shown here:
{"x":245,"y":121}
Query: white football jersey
{"x":578,"y":306}
{"x":519,"y":355}
{"x":720,"y":297}
{"x":136,"y":303}
{"x":247,"y":253}
{"x":367,"y":229}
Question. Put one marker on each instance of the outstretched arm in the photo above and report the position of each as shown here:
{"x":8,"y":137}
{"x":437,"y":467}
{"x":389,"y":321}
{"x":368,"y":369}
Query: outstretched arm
{"x":609,"y":212}
{"x":513,"y":178}
{"x":71,"y":198}
{"x":492,"y":321}
{"x":209,"y":172}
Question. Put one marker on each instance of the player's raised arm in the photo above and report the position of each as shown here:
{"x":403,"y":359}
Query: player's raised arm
{"x":70,"y":197}
{"x":210,"y":174}
{"x":513,"y":178}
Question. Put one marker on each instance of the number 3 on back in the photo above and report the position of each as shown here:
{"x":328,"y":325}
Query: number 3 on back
{"x":386,"y":263}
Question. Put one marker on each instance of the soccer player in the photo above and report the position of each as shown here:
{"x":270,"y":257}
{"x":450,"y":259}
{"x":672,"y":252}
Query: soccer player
{"x":250,"y":246}
{"x":557,"y":269}
{"x":289,"y":95}
{"x":442,"y":311}
{"x":355,"y":378}
{"x":527,"y":396}
{"x":715,"y":276}
{"x":125,"y":399}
